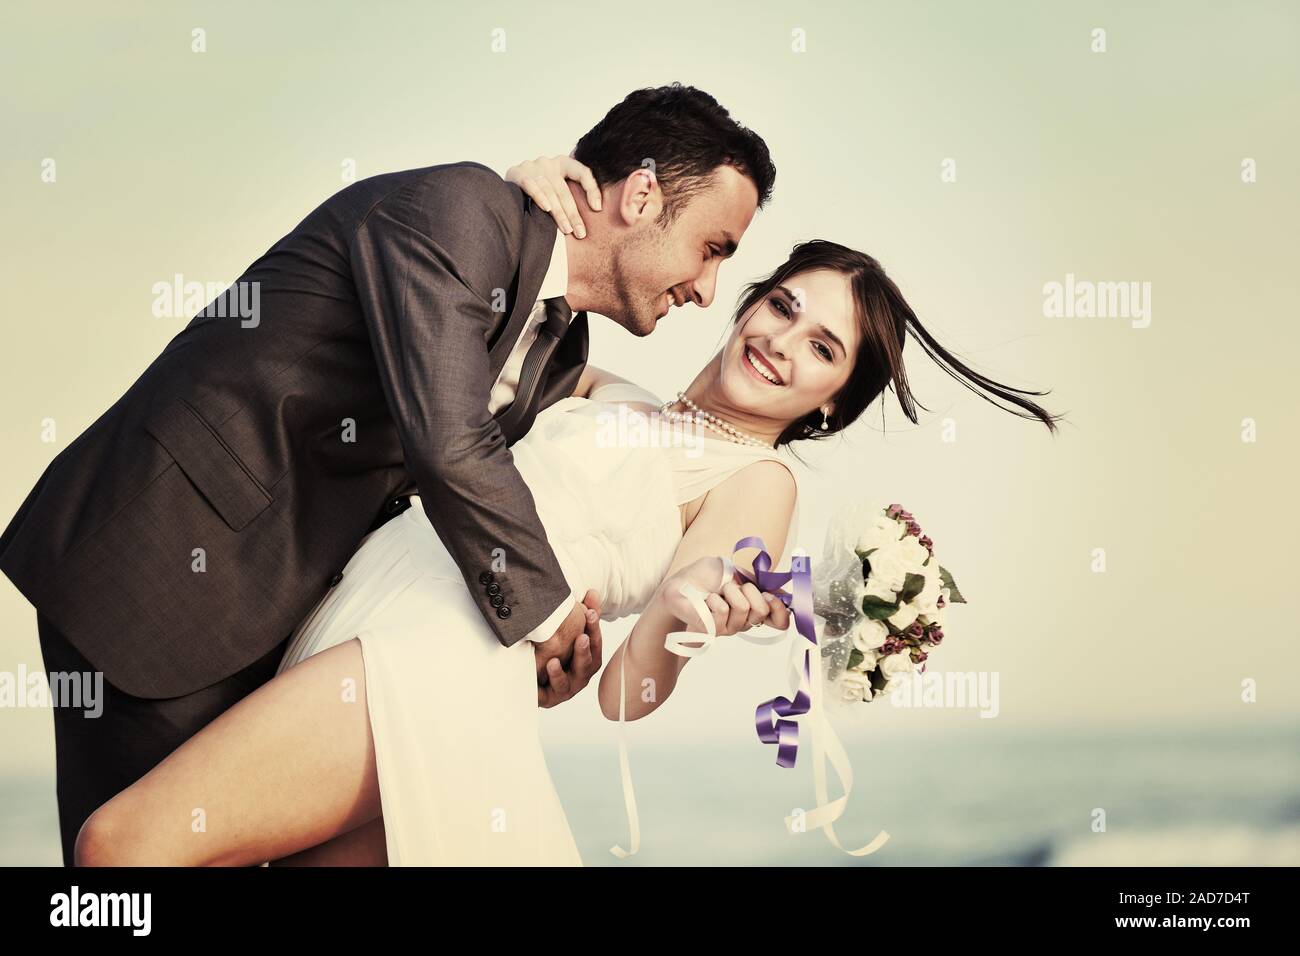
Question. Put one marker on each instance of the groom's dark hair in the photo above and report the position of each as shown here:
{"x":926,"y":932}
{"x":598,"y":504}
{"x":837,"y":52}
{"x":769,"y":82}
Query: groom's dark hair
{"x":686,"y":133}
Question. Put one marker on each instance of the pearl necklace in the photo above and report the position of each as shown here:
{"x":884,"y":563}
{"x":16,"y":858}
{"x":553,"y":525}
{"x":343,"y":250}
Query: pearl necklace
{"x":709,"y":420}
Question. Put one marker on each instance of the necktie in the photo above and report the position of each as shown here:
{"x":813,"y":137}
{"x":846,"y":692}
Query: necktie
{"x":518,"y":418}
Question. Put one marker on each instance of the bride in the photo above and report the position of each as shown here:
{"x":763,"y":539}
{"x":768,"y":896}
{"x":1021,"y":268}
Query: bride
{"x":399,"y":731}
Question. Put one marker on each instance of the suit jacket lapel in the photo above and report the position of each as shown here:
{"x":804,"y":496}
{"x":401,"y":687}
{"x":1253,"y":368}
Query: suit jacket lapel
{"x":534,"y":259}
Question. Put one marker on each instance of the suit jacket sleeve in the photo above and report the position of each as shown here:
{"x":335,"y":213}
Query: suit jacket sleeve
{"x":425,"y":303}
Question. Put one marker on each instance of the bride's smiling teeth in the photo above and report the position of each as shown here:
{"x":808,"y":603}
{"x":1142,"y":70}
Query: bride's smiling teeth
{"x":756,"y":362}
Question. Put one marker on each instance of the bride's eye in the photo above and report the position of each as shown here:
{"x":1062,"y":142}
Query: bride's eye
{"x":779,"y":306}
{"x":822,"y":349}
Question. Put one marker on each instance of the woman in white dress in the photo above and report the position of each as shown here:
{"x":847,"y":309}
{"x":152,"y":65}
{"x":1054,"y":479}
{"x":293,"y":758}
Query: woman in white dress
{"x":399,"y":731}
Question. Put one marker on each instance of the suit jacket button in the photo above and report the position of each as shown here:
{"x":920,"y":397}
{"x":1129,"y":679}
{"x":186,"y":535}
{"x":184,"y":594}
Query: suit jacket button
{"x":395,"y":506}
{"x":503,"y":611}
{"x":336,"y":579}
{"x":486,"y":577}
{"x":494,"y":588}
{"x":497,"y":600}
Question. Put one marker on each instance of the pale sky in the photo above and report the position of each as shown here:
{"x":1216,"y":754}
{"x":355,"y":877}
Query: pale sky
{"x":1122,"y":166}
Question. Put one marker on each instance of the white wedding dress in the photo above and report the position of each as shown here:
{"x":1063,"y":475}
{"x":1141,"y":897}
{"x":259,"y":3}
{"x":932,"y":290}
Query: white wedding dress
{"x":462,"y":775}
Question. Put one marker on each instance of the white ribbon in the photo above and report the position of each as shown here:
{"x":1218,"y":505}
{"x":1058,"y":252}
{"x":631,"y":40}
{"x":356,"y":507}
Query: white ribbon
{"x":826,"y":744}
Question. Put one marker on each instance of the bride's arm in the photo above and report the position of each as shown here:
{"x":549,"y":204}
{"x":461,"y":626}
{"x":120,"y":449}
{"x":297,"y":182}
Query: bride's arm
{"x":544,"y":179}
{"x":758,"y":500}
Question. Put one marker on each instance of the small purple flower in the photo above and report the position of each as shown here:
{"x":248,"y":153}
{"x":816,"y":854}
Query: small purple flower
{"x":929,"y":545}
{"x":915,"y":629}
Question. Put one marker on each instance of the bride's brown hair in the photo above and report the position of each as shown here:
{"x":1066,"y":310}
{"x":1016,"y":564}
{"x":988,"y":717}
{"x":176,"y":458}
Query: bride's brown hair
{"x":884,"y":318}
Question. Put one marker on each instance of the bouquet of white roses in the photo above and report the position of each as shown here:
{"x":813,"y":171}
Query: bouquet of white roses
{"x":883,"y":598}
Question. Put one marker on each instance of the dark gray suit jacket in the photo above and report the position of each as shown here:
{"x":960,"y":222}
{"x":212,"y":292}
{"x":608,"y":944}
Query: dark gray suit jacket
{"x":376,"y":323}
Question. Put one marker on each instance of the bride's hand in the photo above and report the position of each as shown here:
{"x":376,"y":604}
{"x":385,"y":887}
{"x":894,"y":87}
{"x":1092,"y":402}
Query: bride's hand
{"x":544,"y":180}
{"x":736,"y":604}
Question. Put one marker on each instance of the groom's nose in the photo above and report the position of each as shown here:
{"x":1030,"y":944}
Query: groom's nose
{"x":702,"y":289}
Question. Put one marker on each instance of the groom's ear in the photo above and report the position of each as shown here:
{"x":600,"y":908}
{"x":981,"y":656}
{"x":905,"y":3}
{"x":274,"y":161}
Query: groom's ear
{"x":640,"y":198}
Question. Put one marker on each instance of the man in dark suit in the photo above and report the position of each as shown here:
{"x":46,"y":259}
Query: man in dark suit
{"x":400,"y":343}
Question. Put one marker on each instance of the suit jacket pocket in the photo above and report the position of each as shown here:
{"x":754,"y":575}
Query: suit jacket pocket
{"x":209,"y":463}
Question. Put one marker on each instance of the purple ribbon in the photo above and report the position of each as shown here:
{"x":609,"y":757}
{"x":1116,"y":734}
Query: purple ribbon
{"x":773,"y":718}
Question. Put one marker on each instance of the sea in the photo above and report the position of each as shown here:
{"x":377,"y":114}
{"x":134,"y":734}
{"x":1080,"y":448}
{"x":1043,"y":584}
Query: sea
{"x":1139,"y":795}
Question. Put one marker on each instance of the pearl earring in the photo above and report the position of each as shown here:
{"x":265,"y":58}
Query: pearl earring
{"x":824,"y":419}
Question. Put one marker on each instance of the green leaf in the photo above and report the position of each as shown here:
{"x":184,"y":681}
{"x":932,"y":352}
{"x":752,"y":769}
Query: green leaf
{"x":856,"y":657}
{"x":878,"y":609}
{"x":912,"y":586}
{"x":954,"y":596}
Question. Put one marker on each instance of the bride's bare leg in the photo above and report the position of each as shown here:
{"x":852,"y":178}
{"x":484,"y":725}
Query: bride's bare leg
{"x":364,"y":846}
{"x":289,"y":767}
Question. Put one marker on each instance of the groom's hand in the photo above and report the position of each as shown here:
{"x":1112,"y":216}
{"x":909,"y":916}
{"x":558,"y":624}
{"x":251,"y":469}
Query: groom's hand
{"x":567,"y":659}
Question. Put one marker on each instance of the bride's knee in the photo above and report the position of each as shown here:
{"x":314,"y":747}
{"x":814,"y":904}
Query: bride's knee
{"x":102,"y":840}
{"x":116,"y":835}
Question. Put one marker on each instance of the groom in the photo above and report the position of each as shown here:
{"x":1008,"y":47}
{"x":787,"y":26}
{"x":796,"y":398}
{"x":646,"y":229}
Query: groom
{"x":402,"y":337}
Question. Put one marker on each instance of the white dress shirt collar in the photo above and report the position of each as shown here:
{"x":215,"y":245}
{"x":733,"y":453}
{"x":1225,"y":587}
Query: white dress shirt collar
{"x":557,"y":273}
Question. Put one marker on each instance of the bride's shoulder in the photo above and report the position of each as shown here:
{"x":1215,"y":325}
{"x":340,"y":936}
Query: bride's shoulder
{"x":767,"y":483}
{"x":770,"y":484}
{"x":772,"y":477}
{"x":759,"y":499}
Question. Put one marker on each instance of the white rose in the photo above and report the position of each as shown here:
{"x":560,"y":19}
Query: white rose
{"x":904,"y":616}
{"x":930,"y":593}
{"x":878,"y":588}
{"x":869,"y":634}
{"x":913,"y":552}
{"x":855,"y":686}
{"x":896,"y":665}
{"x":889,"y":566}
{"x":881,"y":532}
